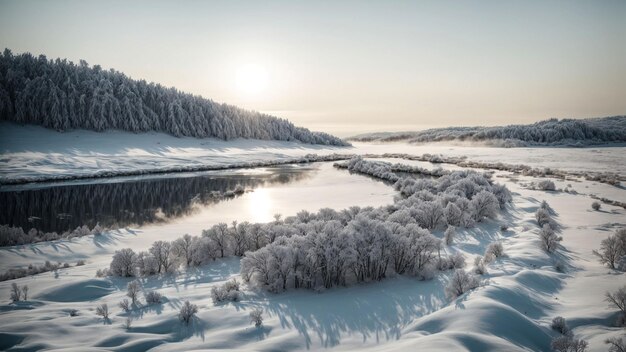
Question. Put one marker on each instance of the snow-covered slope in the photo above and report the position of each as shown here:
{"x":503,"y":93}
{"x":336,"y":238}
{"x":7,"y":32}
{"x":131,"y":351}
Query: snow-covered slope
{"x":511,"y":310}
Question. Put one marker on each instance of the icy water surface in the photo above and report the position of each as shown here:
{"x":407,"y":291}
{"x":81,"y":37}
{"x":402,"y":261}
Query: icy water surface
{"x":196,"y":197}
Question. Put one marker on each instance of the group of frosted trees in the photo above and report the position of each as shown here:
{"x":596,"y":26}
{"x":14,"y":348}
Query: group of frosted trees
{"x":552,"y":131}
{"x":61,"y":95}
{"x":330,"y":248}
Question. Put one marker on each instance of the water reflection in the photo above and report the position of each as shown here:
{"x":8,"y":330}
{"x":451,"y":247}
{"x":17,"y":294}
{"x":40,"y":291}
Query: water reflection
{"x":137,"y":202}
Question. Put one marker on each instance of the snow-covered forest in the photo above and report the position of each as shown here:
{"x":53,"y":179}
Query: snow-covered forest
{"x":62,"y":95}
{"x":548,"y":132}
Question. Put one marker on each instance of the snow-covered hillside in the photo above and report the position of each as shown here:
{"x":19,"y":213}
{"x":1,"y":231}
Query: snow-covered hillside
{"x":512,"y":309}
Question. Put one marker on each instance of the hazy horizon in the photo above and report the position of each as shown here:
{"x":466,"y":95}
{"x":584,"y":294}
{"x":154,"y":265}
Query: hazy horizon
{"x":351,"y":68}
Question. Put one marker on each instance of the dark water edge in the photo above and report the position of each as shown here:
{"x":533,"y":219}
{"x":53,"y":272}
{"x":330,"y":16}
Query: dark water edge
{"x":63,"y":207}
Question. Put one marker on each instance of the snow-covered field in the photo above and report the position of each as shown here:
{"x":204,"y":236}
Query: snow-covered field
{"x":33,"y":152}
{"x":510,"y":311}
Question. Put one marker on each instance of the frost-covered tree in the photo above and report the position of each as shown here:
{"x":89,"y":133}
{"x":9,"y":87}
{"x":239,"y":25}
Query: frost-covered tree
{"x":495,"y":249}
{"x":459,"y":283}
{"x":568,"y":344}
{"x":125,"y":305}
{"x":453,"y":214}
{"x":25,"y":292}
{"x":617,"y":300}
{"x":559,"y":325}
{"x":484,"y":204}
{"x":161,"y":250}
{"x":596,"y":206}
{"x":549,"y":239}
{"x":612,"y":249}
{"x":449,"y":235}
{"x":103,"y":311}
{"x":123,"y":263}
{"x":183,"y":248}
{"x":219,"y":235}
{"x":16,"y":292}
{"x":616,"y":344}
{"x":187,"y":312}
{"x":256,"y":317}
{"x":132,"y":290}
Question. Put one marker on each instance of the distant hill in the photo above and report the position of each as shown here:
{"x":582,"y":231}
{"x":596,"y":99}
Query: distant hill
{"x":548,"y":132}
{"x":61,"y":95}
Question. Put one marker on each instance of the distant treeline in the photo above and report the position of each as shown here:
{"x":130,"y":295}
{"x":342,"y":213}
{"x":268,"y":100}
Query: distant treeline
{"x":547,"y":132}
{"x":61,"y":95}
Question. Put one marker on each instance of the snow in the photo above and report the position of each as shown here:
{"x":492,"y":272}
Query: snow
{"x":511,"y":310}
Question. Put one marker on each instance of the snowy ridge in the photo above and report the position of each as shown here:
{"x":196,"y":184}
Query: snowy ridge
{"x":553,"y":132}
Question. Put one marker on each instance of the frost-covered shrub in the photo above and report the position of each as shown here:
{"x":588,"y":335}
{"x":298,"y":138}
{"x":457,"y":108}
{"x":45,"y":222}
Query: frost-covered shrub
{"x":256,"y":317}
{"x":123,"y":263}
{"x":448,"y":235}
{"x":16,"y":292}
{"x":542,"y":216}
{"x":495,"y":249}
{"x":612,"y":249}
{"x":616,"y":344}
{"x":484,"y":204}
{"x":127,"y":323}
{"x":454,"y":215}
{"x":187,"y":312}
{"x":103,"y":311}
{"x":125,"y":305}
{"x":559,"y":266}
{"x":559,"y":325}
{"x":549,"y":239}
{"x":73,"y":312}
{"x":546,"y":185}
{"x":80,"y":262}
{"x":480,"y":266}
{"x":153,"y":297}
{"x":454,"y":261}
{"x":617,"y":300}
{"x":102,"y":272}
{"x":568,"y":344}
{"x":25,"y":292}
{"x":596,"y":206}
{"x":132,"y":290}
{"x":147,"y":264}
{"x":229,"y":291}
{"x":459,"y":283}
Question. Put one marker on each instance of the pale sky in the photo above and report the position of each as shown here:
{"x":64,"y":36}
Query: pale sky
{"x":348,"y":67}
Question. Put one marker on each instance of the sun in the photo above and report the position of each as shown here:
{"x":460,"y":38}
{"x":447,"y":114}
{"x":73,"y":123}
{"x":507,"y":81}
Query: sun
{"x":252,"y":79}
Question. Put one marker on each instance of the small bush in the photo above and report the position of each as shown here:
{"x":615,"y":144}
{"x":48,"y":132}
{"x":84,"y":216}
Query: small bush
{"x":559,"y":325}
{"x":103,"y":311}
{"x":460,"y":283}
{"x":16,"y":292}
{"x":125,"y":305}
{"x":479,"y":266}
{"x":568,"y":344}
{"x":153,"y":297}
{"x":187,"y":312}
{"x":127,"y":323}
{"x":80,"y":262}
{"x":496,"y":249}
{"x":596,"y":206}
{"x":546,"y":185}
{"x":256,"y":317}
{"x":229,"y":291}
{"x":73,"y":312}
